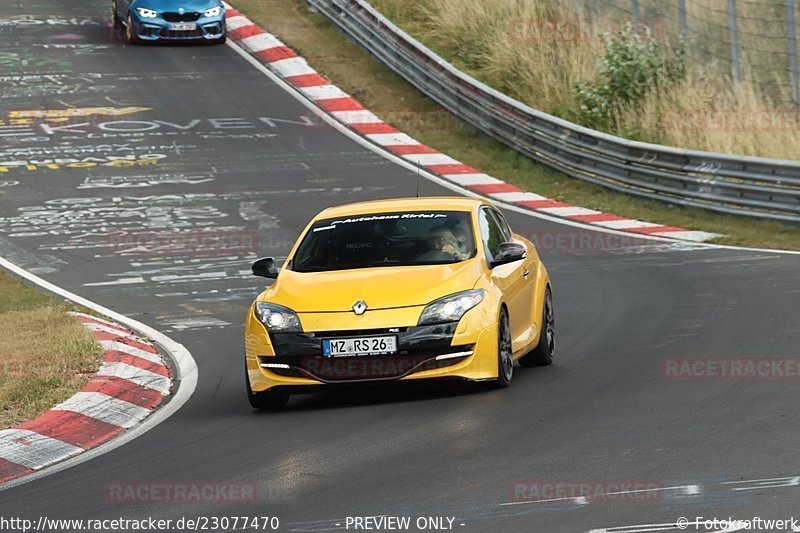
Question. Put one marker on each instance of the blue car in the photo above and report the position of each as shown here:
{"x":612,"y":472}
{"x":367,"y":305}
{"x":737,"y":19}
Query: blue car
{"x":170,"y":20}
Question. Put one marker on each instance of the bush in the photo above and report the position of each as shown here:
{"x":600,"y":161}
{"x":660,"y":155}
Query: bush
{"x":633,"y":64}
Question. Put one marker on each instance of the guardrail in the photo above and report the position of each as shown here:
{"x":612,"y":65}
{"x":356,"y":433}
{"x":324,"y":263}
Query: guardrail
{"x":741,"y":185}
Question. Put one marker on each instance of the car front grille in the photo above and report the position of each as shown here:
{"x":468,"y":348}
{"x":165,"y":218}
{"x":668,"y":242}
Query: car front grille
{"x":192,"y":34}
{"x":362,"y":368}
{"x":191,"y":16}
{"x":411,"y":340}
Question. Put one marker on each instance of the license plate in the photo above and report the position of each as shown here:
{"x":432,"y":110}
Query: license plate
{"x":359,"y":346}
{"x":186,"y":26}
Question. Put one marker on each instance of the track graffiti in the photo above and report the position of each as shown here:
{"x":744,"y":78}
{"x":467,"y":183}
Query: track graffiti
{"x":78,"y":49}
{"x":68,"y":149}
{"x":32,"y":86}
{"x":33,"y":165}
{"x":45,"y":128}
{"x":27,"y":59}
{"x":93,"y":216}
{"x":45,"y":20}
{"x":138,"y":181}
{"x":180,"y":271}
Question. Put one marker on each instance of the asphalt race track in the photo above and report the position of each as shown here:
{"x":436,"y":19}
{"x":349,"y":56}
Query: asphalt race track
{"x":218,"y":151}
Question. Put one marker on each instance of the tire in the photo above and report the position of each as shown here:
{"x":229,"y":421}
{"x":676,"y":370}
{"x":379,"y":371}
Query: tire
{"x":505,"y":361}
{"x":115,"y":20}
{"x":130,"y":36}
{"x":545,"y":350}
{"x":264,"y":401}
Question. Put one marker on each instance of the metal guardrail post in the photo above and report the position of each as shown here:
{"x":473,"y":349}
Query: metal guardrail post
{"x":594,"y":12}
{"x":578,"y":10}
{"x":791,"y":30}
{"x":683,"y":26}
{"x":636,"y":16}
{"x":733,"y":37}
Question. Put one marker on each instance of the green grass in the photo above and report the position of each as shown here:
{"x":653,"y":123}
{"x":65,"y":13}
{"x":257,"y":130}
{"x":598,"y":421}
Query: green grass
{"x":397,"y":102}
{"x":46,"y":356}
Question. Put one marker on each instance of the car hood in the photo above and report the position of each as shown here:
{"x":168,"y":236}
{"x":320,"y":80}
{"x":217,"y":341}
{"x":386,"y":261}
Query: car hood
{"x":174,"y":5}
{"x":380,"y":288}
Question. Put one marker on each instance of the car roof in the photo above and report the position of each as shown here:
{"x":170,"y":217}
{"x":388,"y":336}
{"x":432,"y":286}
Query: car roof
{"x":435,"y":203}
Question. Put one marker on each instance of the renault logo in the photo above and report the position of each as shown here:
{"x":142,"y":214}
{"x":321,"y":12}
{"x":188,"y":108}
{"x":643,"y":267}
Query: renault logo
{"x":359,"y":307}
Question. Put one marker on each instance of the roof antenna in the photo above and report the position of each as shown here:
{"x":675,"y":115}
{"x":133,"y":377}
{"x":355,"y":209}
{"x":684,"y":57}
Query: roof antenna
{"x":418,"y":177}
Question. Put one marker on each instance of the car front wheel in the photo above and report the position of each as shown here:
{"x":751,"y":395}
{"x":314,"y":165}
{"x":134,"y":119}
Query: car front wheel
{"x":505,"y":361}
{"x":264,"y":401}
{"x":132,"y":38}
{"x":115,"y":20}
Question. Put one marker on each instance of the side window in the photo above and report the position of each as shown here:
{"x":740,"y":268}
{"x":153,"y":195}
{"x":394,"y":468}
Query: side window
{"x":509,"y":235}
{"x":491,"y":233}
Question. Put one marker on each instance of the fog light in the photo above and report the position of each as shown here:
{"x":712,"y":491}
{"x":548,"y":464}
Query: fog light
{"x":274,"y":365}
{"x":453,"y":355}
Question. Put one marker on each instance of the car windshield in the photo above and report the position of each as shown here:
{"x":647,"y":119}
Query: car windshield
{"x":386,"y":239}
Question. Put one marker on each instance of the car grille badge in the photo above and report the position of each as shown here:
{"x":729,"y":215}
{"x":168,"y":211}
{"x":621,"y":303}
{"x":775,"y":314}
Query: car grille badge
{"x":359,"y":307}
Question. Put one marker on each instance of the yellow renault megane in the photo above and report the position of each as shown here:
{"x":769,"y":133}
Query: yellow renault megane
{"x":419,"y":288}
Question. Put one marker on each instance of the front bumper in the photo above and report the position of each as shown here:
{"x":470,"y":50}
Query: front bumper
{"x":159,"y":29}
{"x":464,"y":350}
{"x":418,"y":348}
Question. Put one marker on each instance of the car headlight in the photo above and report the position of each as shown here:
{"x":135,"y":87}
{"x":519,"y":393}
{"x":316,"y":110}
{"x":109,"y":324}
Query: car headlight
{"x":147,"y":13}
{"x":213,"y":12}
{"x":277,"y":318}
{"x":450,"y":308}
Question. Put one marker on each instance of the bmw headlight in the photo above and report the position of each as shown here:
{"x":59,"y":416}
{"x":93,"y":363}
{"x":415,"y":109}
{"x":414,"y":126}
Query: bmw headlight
{"x":147,"y":13}
{"x":277,"y":318}
{"x":450,"y":308}
{"x":213,"y":12}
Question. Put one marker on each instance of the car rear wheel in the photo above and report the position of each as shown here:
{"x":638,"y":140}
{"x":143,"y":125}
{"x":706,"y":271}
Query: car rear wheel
{"x":505,"y":361}
{"x":264,"y":401}
{"x":545,"y":350}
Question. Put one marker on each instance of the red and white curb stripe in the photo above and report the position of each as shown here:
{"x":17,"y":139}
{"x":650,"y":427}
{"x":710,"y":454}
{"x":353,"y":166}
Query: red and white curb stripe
{"x":132,"y":381}
{"x":293,"y":69}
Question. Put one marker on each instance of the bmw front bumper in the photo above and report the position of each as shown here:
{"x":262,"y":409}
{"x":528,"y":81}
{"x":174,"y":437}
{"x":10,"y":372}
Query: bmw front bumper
{"x":160,"y":29}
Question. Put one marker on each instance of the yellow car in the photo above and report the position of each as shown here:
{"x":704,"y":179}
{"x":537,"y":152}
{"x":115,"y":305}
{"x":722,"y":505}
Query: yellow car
{"x":406,"y":289}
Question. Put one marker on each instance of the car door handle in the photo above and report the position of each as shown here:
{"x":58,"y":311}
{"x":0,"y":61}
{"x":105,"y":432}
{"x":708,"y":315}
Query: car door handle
{"x":526,"y":272}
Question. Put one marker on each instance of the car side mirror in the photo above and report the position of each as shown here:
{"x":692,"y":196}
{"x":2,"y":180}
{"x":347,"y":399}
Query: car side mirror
{"x":265,"y":268}
{"x":508,"y":252}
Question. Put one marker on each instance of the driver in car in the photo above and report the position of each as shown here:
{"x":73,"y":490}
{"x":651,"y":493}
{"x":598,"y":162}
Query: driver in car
{"x":442,"y":245}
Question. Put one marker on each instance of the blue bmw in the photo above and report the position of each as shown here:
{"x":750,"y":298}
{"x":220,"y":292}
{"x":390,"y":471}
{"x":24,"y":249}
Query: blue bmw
{"x":170,"y":20}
